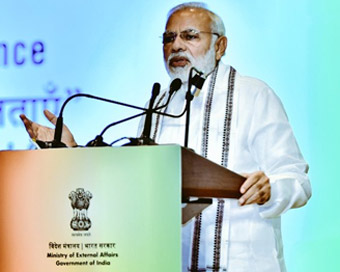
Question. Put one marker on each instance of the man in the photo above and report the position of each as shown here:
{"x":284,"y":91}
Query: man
{"x":238,"y":122}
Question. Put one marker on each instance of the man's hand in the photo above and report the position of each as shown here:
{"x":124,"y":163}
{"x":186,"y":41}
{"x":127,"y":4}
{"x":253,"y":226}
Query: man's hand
{"x":42,"y":133}
{"x":255,"y":190}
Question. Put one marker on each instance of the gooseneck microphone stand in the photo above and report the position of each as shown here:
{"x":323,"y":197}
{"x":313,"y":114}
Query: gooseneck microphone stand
{"x":98,"y":141}
{"x":145,"y":138}
{"x":197,"y":81}
{"x":59,"y":125}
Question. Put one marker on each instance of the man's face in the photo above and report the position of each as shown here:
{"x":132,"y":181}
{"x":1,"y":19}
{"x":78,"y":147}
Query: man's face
{"x":182,"y":54}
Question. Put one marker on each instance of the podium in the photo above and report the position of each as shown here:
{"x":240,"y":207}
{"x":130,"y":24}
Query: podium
{"x":100,"y":209}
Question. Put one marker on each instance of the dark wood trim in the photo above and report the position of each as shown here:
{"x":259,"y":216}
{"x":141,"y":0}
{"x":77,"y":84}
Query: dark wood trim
{"x":204,"y":178}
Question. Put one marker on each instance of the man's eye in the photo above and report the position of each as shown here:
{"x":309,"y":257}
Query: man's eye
{"x":168,"y":39}
{"x":190,"y":37}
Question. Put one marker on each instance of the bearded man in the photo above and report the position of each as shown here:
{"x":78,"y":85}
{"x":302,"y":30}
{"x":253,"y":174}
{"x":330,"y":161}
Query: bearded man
{"x":236,"y":121}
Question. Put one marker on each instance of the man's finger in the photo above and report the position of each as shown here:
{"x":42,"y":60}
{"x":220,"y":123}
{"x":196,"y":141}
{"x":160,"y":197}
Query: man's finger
{"x":259,"y":197}
{"x":28,"y":125}
{"x":51,"y":117}
{"x":24,"y":119}
{"x":250,"y":181}
{"x":249,"y":194}
{"x":256,"y":189}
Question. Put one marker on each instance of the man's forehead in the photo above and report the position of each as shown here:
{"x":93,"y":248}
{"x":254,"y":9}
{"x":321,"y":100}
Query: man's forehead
{"x":189,"y":18}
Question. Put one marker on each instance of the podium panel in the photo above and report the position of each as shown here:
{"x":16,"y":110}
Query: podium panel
{"x":98,"y":209}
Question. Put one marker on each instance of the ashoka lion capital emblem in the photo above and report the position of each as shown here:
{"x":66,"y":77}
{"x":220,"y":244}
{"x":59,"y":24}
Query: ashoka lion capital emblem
{"x":80,"y":202}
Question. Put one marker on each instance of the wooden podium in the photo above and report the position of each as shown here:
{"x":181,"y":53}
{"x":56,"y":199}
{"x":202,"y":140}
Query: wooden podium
{"x":101,"y":209}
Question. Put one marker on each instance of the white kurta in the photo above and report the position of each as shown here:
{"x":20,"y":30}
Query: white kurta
{"x":260,"y":139}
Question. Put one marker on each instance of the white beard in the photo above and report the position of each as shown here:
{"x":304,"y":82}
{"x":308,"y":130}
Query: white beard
{"x":205,"y":63}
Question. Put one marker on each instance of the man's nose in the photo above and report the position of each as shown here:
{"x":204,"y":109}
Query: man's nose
{"x":178,"y":45}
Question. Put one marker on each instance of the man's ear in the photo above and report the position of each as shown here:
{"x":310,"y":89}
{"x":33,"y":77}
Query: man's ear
{"x":220,"y":47}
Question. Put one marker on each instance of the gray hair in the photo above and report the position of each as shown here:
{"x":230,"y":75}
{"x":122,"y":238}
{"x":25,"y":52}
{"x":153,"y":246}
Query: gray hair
{"x":217,"y":23}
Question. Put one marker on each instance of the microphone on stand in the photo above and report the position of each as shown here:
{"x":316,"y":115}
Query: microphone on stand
{"x":98,"y":141}
{"x":174,"y":86}
{"x":57,"y":133}
{"x":197,"y":81}
{"x":56,"y":143}
{"x":148,"y":119}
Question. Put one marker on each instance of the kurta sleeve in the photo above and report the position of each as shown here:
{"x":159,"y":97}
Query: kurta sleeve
{"x":273,"y":146}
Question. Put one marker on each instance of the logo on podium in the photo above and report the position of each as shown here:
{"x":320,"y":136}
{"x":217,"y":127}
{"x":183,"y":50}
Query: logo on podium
{"x":80,"y":202}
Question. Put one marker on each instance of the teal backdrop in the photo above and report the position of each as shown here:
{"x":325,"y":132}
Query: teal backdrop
{"x":52,"y":49}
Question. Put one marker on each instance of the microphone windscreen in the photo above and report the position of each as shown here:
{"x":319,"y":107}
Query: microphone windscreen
{"x":175,"y":85}
{"x":198,"y":81}
{"x":156,"y":89}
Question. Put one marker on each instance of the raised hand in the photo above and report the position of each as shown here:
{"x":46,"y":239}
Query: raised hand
{"x":43,"y":133}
